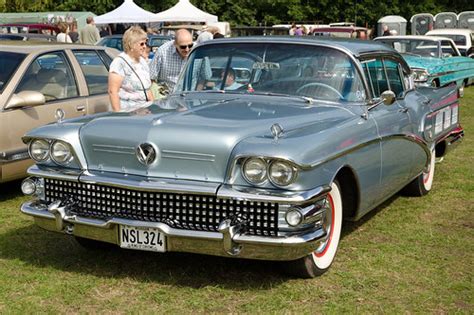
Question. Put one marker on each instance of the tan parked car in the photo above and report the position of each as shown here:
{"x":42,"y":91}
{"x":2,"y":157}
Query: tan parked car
{"x":36,"y":79}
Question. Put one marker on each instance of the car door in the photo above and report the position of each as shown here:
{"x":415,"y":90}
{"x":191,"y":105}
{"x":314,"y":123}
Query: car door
{"x":94,"y":71}
{"x":393,"y":125}
{"x":51,"y":74}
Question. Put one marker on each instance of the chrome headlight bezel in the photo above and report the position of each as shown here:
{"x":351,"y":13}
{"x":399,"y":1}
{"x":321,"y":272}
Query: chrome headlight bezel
{"x":42,"y":157}
{"x":420,"y":75}
{"x":255,"y":179}
{"x":59,"y":146}
{"x":251,"y":165}
{"x":285,"y":167}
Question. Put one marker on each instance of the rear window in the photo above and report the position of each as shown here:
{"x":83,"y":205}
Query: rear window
{"x":9,"y":62}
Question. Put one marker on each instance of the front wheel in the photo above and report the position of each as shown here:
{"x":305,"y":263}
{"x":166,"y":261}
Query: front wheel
{"x":319,"y":261}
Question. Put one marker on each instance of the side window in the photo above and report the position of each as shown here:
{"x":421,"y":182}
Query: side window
{"x":374,"y":70}
{"x":393,"y":73}
{"x":448,"y":49}
{"x":51,"y":75}
{"x":95,"y":71}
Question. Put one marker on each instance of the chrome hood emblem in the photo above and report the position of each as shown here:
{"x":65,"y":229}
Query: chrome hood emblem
{"x":146,"y":153}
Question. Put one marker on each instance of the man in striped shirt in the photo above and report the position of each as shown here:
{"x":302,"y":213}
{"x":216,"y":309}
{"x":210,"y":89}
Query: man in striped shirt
{"x":170,"y":59}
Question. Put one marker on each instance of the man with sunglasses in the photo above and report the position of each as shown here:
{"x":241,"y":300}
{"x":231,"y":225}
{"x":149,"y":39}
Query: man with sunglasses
{"x":170,"y":59}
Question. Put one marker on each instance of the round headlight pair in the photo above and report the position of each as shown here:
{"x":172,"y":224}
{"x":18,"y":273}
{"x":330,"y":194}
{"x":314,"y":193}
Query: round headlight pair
{"x":258,"y":170}
{"x":59,"y":151}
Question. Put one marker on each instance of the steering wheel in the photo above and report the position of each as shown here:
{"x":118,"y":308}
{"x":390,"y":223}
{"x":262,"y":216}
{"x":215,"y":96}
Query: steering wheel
{"x":319,"y":84}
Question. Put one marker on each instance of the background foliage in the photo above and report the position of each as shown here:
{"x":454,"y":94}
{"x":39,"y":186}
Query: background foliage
{"x":263,"y":12}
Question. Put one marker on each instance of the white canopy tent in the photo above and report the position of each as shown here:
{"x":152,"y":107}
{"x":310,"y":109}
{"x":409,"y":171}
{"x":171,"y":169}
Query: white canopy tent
{"x":185,"y":11}
{"x":128,"y":12}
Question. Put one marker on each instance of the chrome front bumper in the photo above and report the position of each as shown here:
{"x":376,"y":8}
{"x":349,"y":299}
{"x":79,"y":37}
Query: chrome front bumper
{"x":229,"y":241}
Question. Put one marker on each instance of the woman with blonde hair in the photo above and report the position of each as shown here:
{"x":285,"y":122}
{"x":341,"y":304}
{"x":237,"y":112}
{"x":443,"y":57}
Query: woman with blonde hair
{"x":129,"y":74}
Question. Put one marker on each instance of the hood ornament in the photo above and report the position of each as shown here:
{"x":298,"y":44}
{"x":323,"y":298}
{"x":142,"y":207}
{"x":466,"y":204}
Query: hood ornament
{"x":277,"y":130}
{"x":59,"y":115}
{"x":146,"y":153}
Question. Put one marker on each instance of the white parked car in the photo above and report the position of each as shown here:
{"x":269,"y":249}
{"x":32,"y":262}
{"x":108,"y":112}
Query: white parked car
{"x":463,"y":38}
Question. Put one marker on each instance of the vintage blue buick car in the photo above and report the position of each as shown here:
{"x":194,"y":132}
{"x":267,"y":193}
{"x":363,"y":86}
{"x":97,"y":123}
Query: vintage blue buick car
{"x":261,"y":151}
{"x":435,"y":61}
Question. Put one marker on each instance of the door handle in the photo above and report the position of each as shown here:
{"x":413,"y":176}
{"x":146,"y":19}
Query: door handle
{"x":80,"y":108}
{"x":403,"y":110}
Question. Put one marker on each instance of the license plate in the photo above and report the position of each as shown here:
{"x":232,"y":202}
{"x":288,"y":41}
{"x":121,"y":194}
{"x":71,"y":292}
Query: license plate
{"x":142,"y":238}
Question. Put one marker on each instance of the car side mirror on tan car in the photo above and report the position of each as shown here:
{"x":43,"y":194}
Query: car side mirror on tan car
{"x":26,"y":98}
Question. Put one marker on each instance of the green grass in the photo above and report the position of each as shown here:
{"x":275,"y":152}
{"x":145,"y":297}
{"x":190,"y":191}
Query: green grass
{"x":411,"y":255}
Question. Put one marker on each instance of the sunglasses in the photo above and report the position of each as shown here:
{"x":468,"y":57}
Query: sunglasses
{"x":143,"y":44}
{"x":186,"y":46}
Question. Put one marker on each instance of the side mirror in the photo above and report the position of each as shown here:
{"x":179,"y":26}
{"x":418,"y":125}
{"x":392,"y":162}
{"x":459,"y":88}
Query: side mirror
{"x":26,"y":98}
{"x":388,"y":97}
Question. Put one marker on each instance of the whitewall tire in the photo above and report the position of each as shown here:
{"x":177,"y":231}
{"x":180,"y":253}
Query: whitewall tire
{"x":319,"y":261}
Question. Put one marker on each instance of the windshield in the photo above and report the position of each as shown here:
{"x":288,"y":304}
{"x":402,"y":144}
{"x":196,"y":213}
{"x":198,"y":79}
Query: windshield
{"x":273,"y":69}
{"x":423,"y":48}
{"x":9,"y":62}
{"x":457,"y":39}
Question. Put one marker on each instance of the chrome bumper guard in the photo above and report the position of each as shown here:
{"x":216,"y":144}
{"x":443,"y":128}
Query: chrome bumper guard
{"x":230,"y":241}
{"x":453,"y":139}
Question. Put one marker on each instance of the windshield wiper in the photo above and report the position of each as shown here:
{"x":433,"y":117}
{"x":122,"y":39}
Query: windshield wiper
{"x":307,"y":99}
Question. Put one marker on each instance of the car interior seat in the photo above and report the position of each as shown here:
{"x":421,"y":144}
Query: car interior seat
{"x":50,"y":82}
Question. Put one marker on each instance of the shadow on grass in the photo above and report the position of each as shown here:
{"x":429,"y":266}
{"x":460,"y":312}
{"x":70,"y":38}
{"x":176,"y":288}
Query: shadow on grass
{"x":40,"y":248}
{"x":350,"y":226}
{"x":10,"y":190}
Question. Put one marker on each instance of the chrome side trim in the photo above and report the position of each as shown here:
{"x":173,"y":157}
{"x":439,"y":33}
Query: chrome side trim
{"x":15,"y":155}
{"x":410,"y":137}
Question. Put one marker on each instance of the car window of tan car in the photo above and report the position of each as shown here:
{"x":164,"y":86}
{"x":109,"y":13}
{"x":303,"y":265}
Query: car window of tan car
{"x":51,"y":75}
{"x":95,"y":71}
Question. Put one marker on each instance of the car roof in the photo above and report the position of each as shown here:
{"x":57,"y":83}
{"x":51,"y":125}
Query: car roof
{"x":460,"y":31}
{"x":38,"y":46}
{"x":415,"y":37}
{"x":353,"y":46}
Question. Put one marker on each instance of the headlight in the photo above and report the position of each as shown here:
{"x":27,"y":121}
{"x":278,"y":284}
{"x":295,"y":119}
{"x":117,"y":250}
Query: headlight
{"x":281,"y":173}
{"x":255,"y":170}
{"x":61,"y":152}
{"x":421,"y":75}
{"x":39,"y":150}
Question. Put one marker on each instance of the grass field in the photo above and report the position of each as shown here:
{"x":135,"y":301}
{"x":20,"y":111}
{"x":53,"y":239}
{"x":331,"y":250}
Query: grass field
{"x":411,"y":255}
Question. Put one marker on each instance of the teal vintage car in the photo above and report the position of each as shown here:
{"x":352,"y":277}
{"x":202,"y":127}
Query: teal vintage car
{"x":262,"y":150}
{"x":435,"y":61}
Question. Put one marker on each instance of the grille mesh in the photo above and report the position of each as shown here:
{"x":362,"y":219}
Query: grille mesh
{"x":185,"y":211}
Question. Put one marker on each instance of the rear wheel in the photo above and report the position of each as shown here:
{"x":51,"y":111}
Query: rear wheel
{"x":421,"y":185}
{"x":319,"y":261}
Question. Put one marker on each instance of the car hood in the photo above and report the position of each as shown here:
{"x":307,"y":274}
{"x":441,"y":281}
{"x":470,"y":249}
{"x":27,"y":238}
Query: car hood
{"x":423,"y":62}
{"x":195,"y":138}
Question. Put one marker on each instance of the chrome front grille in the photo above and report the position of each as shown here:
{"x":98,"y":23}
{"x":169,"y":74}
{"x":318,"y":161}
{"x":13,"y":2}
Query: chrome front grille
{"x":185,"y":211}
